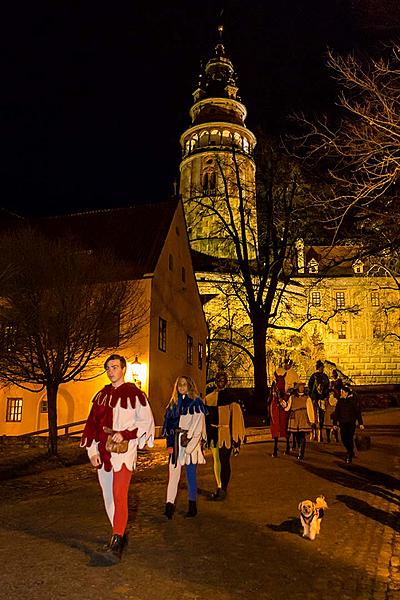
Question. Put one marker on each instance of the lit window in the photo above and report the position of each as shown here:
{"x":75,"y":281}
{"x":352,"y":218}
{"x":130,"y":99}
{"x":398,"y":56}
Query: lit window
{"x":200,"y":355}
{"x":14,"y":409}
{"x":375,"y":298}
{"x":162,"y":334}
{"x":342,"y":331}
{"x":340,"y":300}
{"x":316,"y":298}
{"x":189,"y":350}
{"x":312,"y":266}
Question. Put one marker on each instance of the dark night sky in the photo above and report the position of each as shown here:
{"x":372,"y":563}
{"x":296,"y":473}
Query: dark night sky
{"x":94,"y":95}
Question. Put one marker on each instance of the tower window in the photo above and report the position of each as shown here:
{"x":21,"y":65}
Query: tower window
{"x":209,"y":181}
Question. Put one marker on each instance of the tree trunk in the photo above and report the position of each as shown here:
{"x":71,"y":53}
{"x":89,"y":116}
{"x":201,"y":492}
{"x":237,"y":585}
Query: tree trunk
{"x":260,"y":364}
{"x":52,"y":389}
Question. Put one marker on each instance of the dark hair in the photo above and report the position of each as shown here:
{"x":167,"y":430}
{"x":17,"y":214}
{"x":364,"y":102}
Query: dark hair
{"x":116,"y":357}
{"x":220,"y":375}
{"x":319,"y":364}
{"x":346,"y":389}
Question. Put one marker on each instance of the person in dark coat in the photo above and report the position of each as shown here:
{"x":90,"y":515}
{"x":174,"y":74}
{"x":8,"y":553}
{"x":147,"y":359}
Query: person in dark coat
{"x":318,"y":388}
{"x":348,"y":414}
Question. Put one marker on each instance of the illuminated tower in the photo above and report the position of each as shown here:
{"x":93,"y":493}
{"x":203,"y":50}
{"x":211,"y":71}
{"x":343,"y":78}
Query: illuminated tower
{"x":217,"y":167}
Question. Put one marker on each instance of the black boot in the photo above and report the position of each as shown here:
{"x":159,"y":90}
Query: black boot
{"x":116,"y":545}
{"x":169,"y":510}
{"x":192,"y":512}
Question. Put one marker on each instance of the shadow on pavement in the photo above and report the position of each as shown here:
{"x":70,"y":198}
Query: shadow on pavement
{"x":291,"y":525}
{"x":357,"y":478}
{"x":389,"y":519}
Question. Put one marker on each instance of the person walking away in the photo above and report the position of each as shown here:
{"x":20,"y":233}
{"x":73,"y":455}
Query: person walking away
{"x":225,"y":432}
{"x":328,"y":423}
{"x":277,"y":403}
{"x":120,"y":422}
{"x":348,"y":414}
{"x":291,"y":379}
{"x":336,"y":384}
{"x":301,"y":417}
{"x":318,"y":387}
{"x":185,"y":428}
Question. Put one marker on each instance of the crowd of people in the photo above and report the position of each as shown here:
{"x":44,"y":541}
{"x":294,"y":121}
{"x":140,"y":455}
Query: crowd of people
{"x":298,"y":411}
{"x":121,"y":421}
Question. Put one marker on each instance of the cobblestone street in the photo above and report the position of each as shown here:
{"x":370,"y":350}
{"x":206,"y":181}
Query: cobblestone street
{"x":250,"y":545}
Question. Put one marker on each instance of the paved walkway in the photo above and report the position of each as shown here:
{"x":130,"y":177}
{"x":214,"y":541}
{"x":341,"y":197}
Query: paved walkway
{"x":250,"y":545}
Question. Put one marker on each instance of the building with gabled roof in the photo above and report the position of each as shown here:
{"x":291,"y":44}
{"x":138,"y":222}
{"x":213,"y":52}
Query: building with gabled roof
{"x":151,"y":243}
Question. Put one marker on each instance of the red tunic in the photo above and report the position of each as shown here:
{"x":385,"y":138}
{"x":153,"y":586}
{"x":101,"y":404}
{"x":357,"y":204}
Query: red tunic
{"x":278,"y":415}
{"x":101,"y":415}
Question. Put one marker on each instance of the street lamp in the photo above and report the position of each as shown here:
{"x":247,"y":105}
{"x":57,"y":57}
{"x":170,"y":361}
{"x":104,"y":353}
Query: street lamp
{"x":136,"y":372}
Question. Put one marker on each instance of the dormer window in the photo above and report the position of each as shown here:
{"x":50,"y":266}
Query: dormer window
{"x":358,"y":266}
{"x":312,"y":266}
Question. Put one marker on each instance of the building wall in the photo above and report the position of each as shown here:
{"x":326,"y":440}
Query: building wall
{"x":169,"y":297}
{"x":178,"y":303}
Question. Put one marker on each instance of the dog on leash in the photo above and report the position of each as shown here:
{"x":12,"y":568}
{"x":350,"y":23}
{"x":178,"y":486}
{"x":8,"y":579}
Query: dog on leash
{"x":311,"y":514}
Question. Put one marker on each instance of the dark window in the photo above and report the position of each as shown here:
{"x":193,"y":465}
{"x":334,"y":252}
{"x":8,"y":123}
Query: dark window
{"x":8,"y":337}
{"x":162,"y":334}
{"x":316,"y":298}
{"x":209,"y":182}
{"x":189,"y":350}
{"x":200,"y":355}
{"x":170,"y":262}
{"x":340,"y":301}
{"x":342,"y":331}
{"x":375,"y":298}
{"x":108,"y":335}
{"x":377,"y":330}
{"x":44,"y":408}
{"x":14,"y":409}
{"x":183,"y":274}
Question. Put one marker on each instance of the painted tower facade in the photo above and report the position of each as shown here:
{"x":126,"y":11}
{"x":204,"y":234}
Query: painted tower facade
{"x":217,"y":181}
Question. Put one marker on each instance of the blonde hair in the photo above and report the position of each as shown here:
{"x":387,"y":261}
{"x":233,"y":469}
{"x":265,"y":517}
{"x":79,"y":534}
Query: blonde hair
{"x":192,"y":390}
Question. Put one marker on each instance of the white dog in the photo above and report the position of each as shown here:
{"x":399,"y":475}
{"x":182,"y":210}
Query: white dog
{"x":311,"y":514}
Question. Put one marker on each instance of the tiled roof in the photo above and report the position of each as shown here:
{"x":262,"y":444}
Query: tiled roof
{"x":134,"y":235}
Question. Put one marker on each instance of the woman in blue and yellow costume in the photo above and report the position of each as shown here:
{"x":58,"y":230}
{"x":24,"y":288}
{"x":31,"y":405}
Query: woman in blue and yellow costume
{"x":225,"y":432}
{"x":184,"y":428}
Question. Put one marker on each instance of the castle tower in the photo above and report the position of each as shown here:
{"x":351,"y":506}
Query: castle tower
{"x":217,"y":168}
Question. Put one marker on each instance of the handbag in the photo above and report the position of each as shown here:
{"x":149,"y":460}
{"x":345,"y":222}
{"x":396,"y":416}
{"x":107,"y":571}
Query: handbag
{"x":362,"y":441}
{"x":184,"y":439}
{"x":117,"y":447}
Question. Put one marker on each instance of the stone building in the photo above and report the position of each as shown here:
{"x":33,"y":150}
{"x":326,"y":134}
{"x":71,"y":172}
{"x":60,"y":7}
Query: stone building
{"x":354,"y":322}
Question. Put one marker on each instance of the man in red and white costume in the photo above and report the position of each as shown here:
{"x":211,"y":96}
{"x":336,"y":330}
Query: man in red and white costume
{"x":123,"y":408}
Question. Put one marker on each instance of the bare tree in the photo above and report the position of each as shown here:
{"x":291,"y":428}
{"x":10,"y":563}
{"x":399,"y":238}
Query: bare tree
{"x":361,"y":150}
{"x":255,"y":235}
{"x":61,"y":308}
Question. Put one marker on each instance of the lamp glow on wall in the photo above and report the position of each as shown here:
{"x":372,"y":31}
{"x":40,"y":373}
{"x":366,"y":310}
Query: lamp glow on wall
{"x":136,"y":372}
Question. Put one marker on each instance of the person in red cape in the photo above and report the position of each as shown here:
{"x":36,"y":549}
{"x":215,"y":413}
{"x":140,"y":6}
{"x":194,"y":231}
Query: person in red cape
{"x":120,"y":410}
